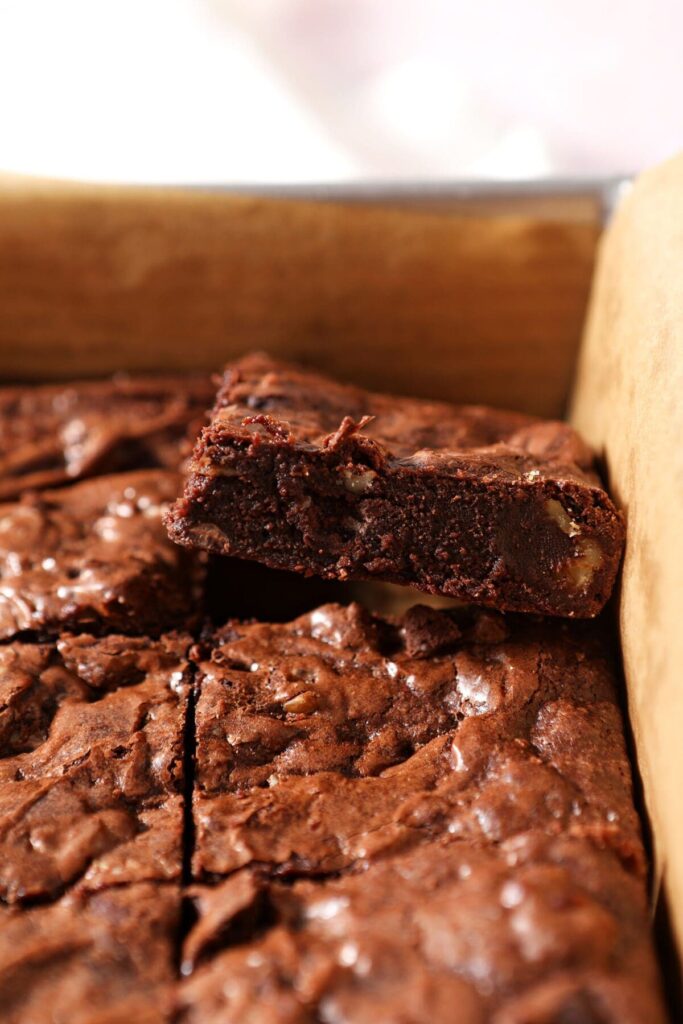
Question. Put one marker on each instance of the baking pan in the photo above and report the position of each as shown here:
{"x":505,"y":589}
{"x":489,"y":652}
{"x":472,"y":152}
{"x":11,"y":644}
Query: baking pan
{"x":470,"y":292}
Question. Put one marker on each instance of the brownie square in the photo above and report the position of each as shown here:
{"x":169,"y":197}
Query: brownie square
{"x":426,"y":817}
{"x":91,"y":763}
{"x":58,"y":433}
{"x":537,"y":930}
{"x":302,"y":473}
{"x":340,"y":737}
{"x":95,"y":557}
{"x":106,"y":957}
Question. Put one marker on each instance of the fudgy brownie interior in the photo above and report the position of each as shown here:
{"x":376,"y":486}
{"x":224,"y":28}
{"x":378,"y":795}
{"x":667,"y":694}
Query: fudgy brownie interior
{"x":302,"y":473}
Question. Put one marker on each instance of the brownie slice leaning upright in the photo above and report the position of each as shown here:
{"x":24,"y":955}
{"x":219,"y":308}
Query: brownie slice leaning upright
{"x":424,"y":818}
{"x":302,"y":473}
{"x":95,"y":557}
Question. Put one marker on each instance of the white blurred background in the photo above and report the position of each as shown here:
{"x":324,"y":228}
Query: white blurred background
{"x":333,"y":90}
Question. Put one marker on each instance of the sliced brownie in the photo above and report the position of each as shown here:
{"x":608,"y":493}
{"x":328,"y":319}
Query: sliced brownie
{"x":95,"y":557}
{"x":306,"y":474}
{"x":58,"y":433}
{"x":91,"y":958}
{"x":91,"y":763}
{"x":421,"y":818}
{"x":341,"y":736}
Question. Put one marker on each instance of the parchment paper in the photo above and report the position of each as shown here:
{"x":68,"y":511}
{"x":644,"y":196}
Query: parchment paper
{"x":471,"y":307}
{"x":629,"y":403}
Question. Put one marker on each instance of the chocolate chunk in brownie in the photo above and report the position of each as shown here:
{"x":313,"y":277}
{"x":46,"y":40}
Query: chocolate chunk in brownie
{"x":105,"y":957}
{"x":341,"y":737}
{"x":538,"y":929}
{"x":91,"y":763}
{"x":306,"y":474}
{"x":96,"y":557}
{"x":57,"y":433}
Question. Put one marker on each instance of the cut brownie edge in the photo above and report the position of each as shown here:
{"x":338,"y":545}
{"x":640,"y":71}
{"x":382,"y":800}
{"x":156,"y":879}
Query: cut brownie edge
{"x":544,"y":546}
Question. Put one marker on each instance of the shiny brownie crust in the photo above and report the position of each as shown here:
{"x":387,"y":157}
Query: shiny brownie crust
{"x":425,"y":817}
{"x":54,"y":434}
{"x":95,"y":557}
{"x":342,"y":735}
{"x":104,"y":957}
{"x":92,"y":734}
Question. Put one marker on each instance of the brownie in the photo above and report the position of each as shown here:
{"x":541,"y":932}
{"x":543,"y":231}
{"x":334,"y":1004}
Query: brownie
{"x":428,"y":817}
{"x":95,"y":557}
{"x":91,"y":958}
{"x":536,"y":930}
{"x":342,"y":736}
{"x":57,"y":433}
{"x":91,"y":763}
{"x":306,"y":474}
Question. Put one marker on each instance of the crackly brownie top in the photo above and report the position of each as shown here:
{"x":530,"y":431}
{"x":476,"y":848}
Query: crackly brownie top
{"x":55,"y":433}
{"x":105,"y":957}
{"x":340,"y":737}
{"x":93,"y":556}
{"x":532,"y":930}
{"x":274,"y":401}
{"x":91,"y":762}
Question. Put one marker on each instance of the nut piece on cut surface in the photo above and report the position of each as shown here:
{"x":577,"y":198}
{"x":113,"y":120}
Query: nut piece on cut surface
{"x":358,"y":482}
{"x":559,"y":515}
{"x":304,"y":703}
{"x":589,"y":559}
